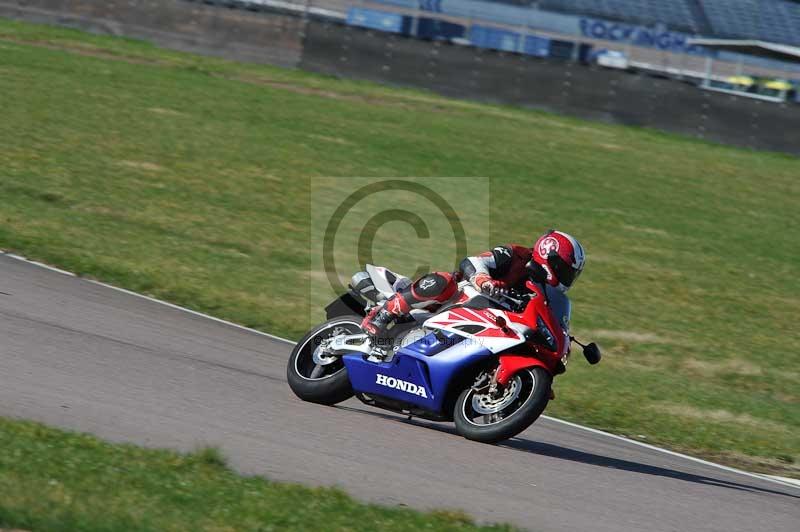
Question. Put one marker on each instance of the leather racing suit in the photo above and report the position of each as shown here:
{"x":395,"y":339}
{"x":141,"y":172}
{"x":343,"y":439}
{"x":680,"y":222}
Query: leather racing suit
{"x":501,"y":268}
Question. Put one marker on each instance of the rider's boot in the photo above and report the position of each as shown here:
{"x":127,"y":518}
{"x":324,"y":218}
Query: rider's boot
{"x":380,"y":320}
{"x":428,"y":292}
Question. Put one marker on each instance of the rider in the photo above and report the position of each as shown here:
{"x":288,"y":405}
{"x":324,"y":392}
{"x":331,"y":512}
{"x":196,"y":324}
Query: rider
{"x":493,"y":272}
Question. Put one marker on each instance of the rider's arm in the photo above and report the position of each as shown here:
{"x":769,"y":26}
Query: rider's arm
{"x":487,"y":266}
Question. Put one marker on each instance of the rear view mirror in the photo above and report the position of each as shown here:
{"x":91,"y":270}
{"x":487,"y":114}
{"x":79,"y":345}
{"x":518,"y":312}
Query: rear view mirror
{"x":592,"y":353}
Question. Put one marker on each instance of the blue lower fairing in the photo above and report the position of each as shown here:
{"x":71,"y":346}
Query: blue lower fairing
{"x":419,"y":373}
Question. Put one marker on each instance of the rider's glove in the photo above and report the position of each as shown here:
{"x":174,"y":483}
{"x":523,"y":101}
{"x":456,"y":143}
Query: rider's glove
{"x":494,"y":290}
{"x":492,"y":287}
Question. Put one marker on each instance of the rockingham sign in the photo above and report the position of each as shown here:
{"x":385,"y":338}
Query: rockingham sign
{"x":657,"y":37}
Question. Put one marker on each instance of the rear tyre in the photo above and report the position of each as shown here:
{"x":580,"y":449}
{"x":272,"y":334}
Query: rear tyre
{"x":490,"y":419}
{"x":326,"y":383}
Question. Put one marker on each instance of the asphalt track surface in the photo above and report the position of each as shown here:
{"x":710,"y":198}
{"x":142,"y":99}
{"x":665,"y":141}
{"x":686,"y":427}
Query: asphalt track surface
{"x":82,"y":356}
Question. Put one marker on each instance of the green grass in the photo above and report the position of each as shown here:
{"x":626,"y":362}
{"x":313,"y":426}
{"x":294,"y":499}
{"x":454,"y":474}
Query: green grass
{"x":55,"y":480}
{"x":190,"y":179}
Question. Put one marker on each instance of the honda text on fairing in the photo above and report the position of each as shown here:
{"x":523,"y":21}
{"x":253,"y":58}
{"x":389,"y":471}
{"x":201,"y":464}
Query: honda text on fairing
{"x":486,"y":363}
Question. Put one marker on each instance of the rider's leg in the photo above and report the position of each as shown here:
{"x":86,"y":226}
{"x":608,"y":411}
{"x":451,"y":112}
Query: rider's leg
{"x":383,"y":317}
{"x":428,"y":292}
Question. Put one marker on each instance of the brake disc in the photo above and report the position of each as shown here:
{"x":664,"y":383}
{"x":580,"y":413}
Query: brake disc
{"x":491,"y":404}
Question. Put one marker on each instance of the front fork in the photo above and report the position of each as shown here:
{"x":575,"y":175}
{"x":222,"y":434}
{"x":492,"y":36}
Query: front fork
{"x":511,"y":364}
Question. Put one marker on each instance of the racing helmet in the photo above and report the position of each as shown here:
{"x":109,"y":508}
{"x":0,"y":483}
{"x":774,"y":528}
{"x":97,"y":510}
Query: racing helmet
{"x":562,"y":258}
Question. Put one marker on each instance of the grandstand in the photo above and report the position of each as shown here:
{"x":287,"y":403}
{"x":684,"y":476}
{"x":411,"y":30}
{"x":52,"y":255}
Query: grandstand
{"x":676,"y":14}
{"x":767,"y":20}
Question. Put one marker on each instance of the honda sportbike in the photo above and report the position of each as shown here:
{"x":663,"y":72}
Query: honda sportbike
{"x":485,"y":363}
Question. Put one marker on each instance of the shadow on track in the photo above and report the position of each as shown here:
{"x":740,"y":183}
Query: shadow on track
{"x":565,"y":453}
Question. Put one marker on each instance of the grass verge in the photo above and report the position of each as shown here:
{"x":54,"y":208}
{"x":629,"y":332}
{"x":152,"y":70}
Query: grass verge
{"x":188,"y":178}
{"x":56,"y":480}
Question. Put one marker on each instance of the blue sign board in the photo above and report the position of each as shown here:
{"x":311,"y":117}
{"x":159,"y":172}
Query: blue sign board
{"x":377,"y":20}
{"x":494,"y":38}
{"x":538,"y":46}
{"x":435,"y":29}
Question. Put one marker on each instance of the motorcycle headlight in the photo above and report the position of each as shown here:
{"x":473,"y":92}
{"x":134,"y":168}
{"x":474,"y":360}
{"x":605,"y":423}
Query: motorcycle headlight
{"x":543,"y":335}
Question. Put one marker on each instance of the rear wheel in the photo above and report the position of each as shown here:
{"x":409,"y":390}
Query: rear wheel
{"x":490,"y":418}
{"x":312,"y":375}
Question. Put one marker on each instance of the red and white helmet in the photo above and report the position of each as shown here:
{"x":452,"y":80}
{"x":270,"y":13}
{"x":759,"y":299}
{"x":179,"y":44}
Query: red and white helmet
{"x":561,"y":256}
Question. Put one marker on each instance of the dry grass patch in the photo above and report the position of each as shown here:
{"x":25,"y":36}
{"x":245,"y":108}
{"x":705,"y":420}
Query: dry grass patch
{"x":642,"y":362}
{"x":787,"y":398}
{"x":611,"y":147}
{"x":646,"y":230}
{"x":334,"y":140}
{"x":142,"y":165}
{"x":384,"y":100}
{"x":719,"y":416}
{"x":83,"y":49}
{"x":710,"y":368}
{"x":162,"y":111}
{"x":629,"y":336}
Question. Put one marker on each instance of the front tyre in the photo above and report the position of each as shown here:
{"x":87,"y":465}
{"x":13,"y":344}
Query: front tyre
{"x":319,"y":379}
{"x":492,"y":418}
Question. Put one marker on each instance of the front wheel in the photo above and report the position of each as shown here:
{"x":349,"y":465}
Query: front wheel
{"x":315,"y":377}
{"x":490,"y":418}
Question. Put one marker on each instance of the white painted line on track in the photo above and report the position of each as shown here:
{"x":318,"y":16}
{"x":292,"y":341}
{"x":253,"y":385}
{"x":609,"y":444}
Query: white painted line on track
{"x":793,"y":481}
{"x":194,"y":312}
{"x":39,"y":264}
{"x":154,"y":300}
{"x":769,"y":478}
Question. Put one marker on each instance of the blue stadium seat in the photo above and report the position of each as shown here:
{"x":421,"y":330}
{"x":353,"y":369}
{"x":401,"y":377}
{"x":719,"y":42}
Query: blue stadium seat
{"x":768,"y":20}
{"x":676,"y":14}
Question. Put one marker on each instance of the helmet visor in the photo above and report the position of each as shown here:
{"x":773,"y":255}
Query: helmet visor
{"x":563,"y":271}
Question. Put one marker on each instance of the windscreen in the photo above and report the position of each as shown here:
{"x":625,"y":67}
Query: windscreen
{"x":561,"y":306}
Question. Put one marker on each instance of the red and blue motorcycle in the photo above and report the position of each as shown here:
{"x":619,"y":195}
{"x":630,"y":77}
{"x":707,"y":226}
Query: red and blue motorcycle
{"x":486,"y":363}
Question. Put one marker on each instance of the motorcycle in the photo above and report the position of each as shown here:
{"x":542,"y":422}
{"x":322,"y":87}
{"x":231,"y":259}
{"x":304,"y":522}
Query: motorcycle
{"x":486,"y":363}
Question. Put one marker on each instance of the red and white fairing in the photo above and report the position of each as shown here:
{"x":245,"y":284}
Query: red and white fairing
{"x":494,"y":336}
{"x":491,"y":335}
{"x":511,"y":334}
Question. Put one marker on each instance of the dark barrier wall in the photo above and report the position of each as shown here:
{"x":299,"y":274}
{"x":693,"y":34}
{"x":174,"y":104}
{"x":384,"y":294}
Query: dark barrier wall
{"x":331,"y":48}
{"x":558,"y":86}
{"x":189,"y":26}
